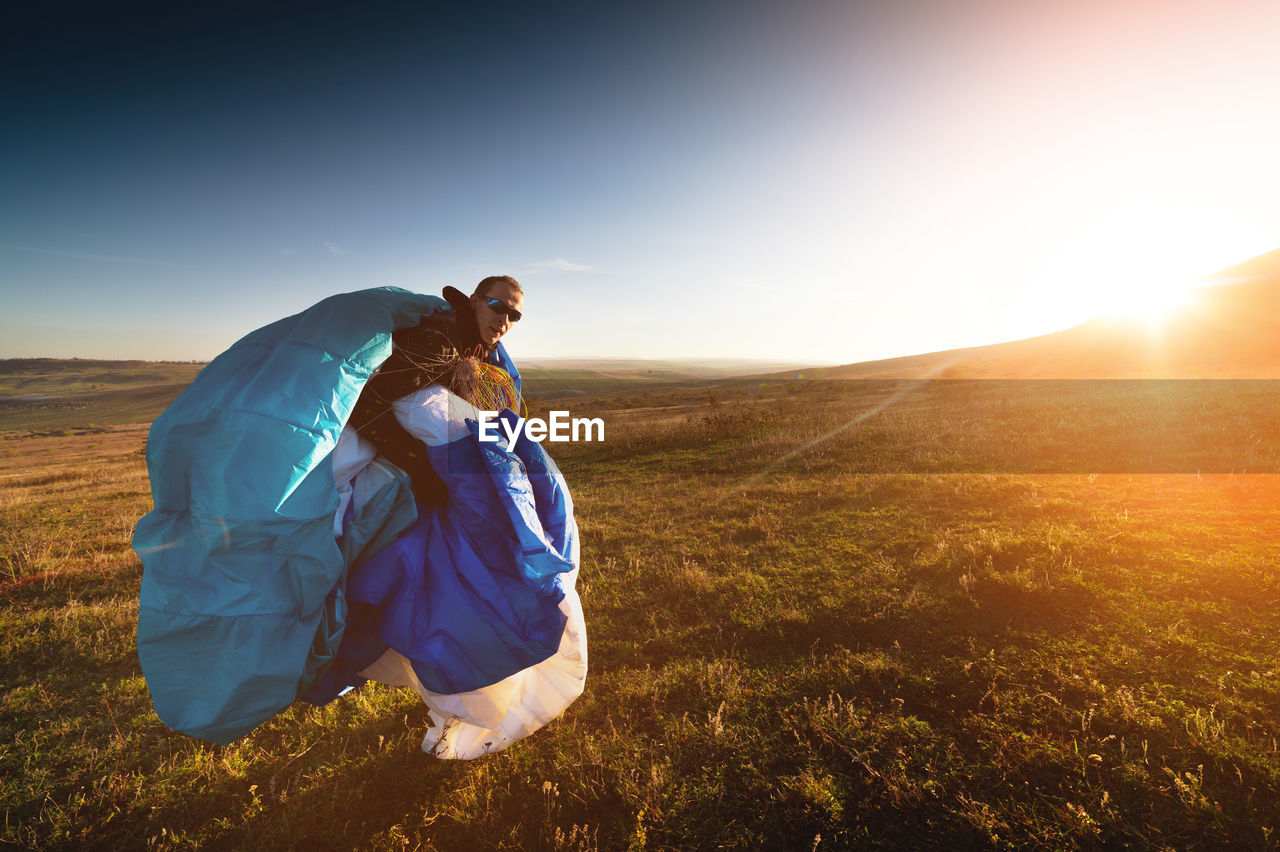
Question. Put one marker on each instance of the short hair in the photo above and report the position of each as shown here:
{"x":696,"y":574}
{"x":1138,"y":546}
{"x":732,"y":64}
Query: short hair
{"x":482,"y":289}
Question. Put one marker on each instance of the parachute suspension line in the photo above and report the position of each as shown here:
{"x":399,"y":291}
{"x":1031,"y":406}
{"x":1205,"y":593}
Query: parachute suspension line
{"x":486,"y":386}
{"x":375,"y":418}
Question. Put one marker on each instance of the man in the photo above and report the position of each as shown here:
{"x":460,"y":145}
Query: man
{"x":232,"y":629}
{"x":473,"y":606}
{"x":427,"y":354}
{"x":497,"y":303}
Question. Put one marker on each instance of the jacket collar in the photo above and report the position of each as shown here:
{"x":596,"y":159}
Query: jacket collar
{"x":465,"y":317}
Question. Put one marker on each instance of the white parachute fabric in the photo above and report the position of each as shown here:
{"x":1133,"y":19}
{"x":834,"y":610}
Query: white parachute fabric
{"x":482,"y":721}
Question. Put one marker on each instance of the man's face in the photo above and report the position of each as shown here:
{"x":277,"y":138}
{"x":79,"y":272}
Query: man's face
{"x":492,"y":323}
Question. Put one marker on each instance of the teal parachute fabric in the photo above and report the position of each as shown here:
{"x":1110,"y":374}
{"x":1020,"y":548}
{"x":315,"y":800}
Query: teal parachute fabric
{"x":241,"y":606}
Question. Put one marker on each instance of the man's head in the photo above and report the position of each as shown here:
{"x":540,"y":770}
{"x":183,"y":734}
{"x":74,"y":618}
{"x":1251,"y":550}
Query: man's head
{"x":498,"y":301}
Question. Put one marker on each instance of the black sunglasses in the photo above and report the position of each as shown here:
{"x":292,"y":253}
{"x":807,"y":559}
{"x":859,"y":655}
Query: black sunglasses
{"x":502,"y":307}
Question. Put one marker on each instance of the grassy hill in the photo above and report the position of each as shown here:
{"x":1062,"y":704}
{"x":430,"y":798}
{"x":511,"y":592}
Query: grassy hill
{"x":1231,"y":330}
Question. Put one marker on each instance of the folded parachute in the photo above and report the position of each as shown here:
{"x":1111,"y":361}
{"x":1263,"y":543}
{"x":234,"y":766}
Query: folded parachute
{"x":474,"y":606}
{"x":282,"y":560}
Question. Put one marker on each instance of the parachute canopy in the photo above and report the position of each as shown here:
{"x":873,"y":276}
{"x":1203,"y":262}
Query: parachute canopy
{"x":241,"y":606}
{"x":270,"y":539}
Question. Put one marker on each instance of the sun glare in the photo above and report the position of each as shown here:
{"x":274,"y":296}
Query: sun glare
{"x":1144,"y":264}
{"x":1153,"y":301}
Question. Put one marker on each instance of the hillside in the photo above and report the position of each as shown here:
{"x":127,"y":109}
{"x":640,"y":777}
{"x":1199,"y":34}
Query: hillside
{"x":1229,"y":330}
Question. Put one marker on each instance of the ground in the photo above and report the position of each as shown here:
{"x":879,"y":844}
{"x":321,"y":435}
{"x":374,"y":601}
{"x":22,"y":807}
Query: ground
{"x":973,"y":618}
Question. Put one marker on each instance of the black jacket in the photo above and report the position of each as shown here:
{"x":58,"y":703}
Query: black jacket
{"x":422,"y":355}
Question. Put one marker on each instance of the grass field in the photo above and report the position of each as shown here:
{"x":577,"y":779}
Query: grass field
{"x":971,"y":619}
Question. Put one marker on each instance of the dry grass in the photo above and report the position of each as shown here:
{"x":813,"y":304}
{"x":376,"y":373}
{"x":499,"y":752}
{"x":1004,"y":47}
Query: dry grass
{"x":836,"y":653}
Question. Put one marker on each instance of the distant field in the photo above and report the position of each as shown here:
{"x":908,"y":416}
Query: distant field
{"x":645,"y":370}
{"x":944,"y":426}
{"x":44,"y":394}
{"x":953,"y":623}
{"x":877,"y":425}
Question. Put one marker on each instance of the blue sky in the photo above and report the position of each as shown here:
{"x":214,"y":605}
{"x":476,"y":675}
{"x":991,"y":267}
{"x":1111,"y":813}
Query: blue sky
{"x":810,"y":181}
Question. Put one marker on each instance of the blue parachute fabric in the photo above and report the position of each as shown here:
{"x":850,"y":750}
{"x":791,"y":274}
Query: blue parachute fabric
{"x":533,"y":491}
{"x":241,"y":606}
{"x":470,"y":594}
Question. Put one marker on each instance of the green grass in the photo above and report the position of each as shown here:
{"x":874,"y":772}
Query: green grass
{"x":855,"y":647}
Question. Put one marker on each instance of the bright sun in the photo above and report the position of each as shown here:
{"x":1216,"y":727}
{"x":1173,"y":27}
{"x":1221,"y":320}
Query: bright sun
{"x":1144,"y":263}
{"x":1152,"y":301}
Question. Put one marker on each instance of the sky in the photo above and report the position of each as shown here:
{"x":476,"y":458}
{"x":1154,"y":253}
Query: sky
{"x":811,"y":181}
